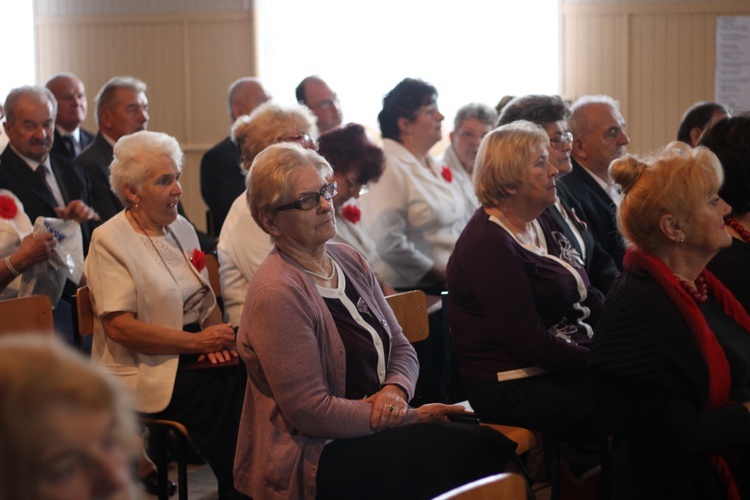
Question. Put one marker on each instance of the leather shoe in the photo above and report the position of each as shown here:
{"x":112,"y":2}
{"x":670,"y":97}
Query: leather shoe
{"x":151,"y":483}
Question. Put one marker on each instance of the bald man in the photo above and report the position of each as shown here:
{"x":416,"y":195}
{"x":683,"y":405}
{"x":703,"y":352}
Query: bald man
{"x":70,"y":138}
{"x":222,"y":177}
{"x":314,"y":93}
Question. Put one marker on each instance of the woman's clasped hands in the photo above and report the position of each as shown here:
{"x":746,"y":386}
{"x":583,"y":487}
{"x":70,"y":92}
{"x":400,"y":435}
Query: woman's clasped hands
{"x":218,"y":343}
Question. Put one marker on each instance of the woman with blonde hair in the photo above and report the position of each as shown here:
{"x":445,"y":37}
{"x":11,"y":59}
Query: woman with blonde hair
{"x":670,"y":362}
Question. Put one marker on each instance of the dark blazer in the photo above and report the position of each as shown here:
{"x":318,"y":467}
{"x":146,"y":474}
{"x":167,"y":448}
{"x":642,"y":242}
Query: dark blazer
{"x":95,"y":159}
{"x":599,"y":265}
{"x":597,"y":210}
{"x":59,"y":147}
{"x":17,"y":177}
{"x":222,"y":179}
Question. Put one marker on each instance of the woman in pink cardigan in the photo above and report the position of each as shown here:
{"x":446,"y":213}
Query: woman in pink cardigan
{"x":330,"y":372}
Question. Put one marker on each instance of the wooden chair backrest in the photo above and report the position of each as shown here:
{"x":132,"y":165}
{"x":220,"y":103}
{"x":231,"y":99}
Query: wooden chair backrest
{"x":508,"y":486}
{"x":410,"y":309}
{"x":212,"y":265}
{"x":26,"y":315}
{"x":84,"y":311}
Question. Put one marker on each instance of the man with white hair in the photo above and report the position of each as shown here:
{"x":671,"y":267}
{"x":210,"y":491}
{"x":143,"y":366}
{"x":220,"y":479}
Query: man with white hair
{"x":222,"y":177}
{"x":598,"y":138}
{"x":121,"y":109}
{"x":70,"y":138}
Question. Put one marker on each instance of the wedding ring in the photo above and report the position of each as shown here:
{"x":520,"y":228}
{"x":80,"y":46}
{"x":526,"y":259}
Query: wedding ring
{"x":390,"y":408}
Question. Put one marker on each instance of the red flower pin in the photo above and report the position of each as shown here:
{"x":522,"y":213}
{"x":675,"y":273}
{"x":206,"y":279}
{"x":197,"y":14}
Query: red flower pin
{"x":8,"y":207}
{"x":198,"y":259}
{"x":447,"y":174}
{"x":352,"y":213}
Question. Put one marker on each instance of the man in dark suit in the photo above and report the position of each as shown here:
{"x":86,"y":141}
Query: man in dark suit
{"x":60,"y":188}
{"x":222,"y":177}
{"x":598,"y":138}
{"x":121,"y":109}
{"x":70,"y":138}
{"x":48,"y":185}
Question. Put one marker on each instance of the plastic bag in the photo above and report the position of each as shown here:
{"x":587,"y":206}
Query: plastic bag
{"x":66,"y":263}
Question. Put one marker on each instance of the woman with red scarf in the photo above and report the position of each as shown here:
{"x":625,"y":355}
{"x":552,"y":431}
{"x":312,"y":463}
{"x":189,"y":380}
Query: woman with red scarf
{"x":670,"y":362}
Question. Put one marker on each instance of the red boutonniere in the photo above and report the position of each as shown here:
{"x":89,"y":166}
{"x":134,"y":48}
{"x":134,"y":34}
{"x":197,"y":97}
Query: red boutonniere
{"x":8,"y":207}
{"x":352,"y":213}
{"x":198,"y":259}
{"x":447,"y":174}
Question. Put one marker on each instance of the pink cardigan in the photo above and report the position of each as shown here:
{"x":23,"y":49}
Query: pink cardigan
{"x":296,"y":365}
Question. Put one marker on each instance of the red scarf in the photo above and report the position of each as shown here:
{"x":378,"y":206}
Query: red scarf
{"x":719,"y":379}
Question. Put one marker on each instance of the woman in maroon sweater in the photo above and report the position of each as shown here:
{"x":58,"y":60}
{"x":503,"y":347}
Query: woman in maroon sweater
{"x":520,"y":304}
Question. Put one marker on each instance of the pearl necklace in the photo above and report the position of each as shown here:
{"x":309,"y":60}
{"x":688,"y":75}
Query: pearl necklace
{"x":744,"y":233}
{"x":324,"y":278}
{"x":700,"y":292}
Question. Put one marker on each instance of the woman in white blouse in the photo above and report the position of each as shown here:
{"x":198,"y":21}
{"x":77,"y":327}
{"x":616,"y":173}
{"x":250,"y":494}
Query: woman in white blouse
{"x":155,"y":313}
{"x":415,"y":213}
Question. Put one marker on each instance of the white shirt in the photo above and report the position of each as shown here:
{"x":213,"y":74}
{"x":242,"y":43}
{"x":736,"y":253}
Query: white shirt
{"x":461,"y":178}
{"x":12,"y":231}
{"x":608,"y":187}
{"x":243,"y":245}
{"x":414,"y":215}
{"x":355,"y":234}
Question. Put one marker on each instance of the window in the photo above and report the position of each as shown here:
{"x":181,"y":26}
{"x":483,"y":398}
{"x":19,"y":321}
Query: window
{"x":470,"y":50}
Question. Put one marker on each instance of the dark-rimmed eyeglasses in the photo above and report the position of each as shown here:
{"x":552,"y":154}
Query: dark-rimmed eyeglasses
{"x":308,"y":201}
{"x":558,"y":141}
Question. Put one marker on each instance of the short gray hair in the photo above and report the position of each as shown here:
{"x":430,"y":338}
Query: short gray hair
{"x":134,"y":158}
{"x":502,"y":158}
{"x":268,"y":123}
{"x":105,"y":99}
{"x":34,"y":92}
{"x":477,"y":110}
{"x":268,"y":181}
{"x":577,"y":124}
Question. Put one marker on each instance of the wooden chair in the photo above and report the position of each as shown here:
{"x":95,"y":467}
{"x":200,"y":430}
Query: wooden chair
{"x":507,"y":486}
{"x":410,"y":309}
{"x":27,"y":315}
{"x":83,"y":320}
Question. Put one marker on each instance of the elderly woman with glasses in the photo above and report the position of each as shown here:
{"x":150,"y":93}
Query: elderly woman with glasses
{"x":242,"y":243}
{"x":330,"y":372}
{"x":551,"y":113}
{"x":521,"y":307}
{"x":155,"y":312}
{"x":416,"y":212}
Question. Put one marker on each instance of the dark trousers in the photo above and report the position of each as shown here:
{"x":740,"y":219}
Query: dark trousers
{"x":411,"y":462}
{"x":208,"y":403}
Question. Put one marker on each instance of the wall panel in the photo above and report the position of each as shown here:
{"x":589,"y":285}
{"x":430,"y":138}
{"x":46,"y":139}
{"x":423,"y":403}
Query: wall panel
{"x":187,"y":59}
{"x":656,"y":58}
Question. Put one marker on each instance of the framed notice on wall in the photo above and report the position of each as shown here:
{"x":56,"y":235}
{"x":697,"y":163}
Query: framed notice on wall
{"x":733,"y":62}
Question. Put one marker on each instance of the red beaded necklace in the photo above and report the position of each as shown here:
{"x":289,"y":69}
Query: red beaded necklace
{"x":744,"y":233}
{"x":700,"y":292}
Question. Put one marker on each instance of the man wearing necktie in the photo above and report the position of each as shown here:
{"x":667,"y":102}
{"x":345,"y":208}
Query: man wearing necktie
{"x":48,"y":185}
{"x":70,"y":138}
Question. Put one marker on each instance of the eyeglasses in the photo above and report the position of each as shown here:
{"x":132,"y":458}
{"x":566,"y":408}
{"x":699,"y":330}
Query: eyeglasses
{"x":309,"y":201}
{"x":361,"y":189}
{"x":304,"y":140}
{"x":468,"y":134}
{"x":557,"y":141}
